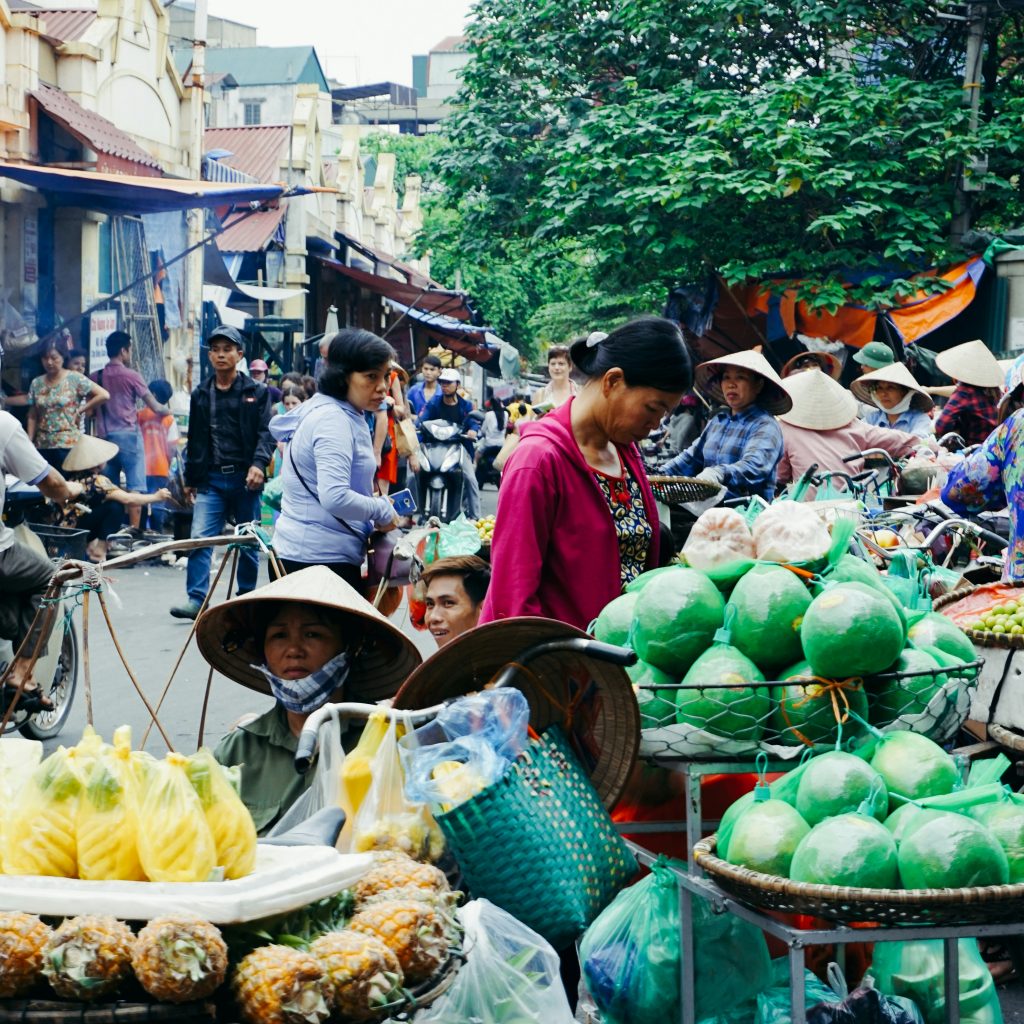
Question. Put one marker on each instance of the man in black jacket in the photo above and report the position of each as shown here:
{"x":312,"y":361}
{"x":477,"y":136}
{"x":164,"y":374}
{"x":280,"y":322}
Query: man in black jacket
{"x":226,"y":457}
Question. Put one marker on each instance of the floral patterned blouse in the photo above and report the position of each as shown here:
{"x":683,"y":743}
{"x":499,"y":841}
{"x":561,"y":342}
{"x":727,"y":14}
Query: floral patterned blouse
{"x":991,"y":479}
{"x":626,"y":504}
{"x":58,"y":416}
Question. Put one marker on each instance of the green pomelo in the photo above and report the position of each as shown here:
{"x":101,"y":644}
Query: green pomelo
{"x":766,"y":837}
{"x":612,"y":625}
{"x":851,"y":849}
{"x":851,"y":630}
{"x":650,"y":576}
{"x":890,"y":699}
{"x":1006,"y":822}
{"x":657,"y":707}
{"x":733,"y":708}
{"x":935,"y":630}
{"x":851,"y":569}
{"x":838,"y":783}
{"x":913,"y":766}
{"x":805,"y":712}
{"x":907,"y":819}
{"x":770,"y":603}
{"x":952,"y":851}
{"x":676,"y":617}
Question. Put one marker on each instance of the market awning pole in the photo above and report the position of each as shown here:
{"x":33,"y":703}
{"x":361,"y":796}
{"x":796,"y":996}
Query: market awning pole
{"x":196,"y":218}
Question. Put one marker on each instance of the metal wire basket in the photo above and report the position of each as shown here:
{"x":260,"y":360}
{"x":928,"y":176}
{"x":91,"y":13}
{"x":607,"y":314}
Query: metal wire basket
{"x":721,"y":722}
{"x":990,"y":904}
{"x":678,"y":490}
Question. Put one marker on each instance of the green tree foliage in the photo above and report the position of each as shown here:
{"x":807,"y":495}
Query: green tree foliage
{"x":654,"y":139}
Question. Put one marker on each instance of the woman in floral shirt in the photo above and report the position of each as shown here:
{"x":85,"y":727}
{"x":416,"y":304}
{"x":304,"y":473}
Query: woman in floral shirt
{"x":992,"y":477}
{"x":56,"y":408}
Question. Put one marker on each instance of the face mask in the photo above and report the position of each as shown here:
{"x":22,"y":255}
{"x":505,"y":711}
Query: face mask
{"x":310,"y":692}
{"x":902,"y":406}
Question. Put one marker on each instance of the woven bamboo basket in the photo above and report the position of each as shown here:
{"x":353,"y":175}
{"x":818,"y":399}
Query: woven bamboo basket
{"x":983,"y":637}
{"x":991,"y":904}
{"x":677,"y":490}
{"x":425,"y":993}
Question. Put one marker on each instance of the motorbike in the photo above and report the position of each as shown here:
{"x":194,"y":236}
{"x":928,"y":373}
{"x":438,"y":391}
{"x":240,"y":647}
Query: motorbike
{"x":440,"y":477}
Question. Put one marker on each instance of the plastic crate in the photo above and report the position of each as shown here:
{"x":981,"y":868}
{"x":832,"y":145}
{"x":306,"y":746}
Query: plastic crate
{"x":62,"y":541}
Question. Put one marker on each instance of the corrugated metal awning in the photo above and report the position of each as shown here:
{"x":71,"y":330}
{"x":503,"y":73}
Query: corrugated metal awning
{"x":253,"y":233}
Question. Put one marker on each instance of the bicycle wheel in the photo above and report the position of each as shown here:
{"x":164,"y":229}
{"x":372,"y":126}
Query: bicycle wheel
{"x":45,"y":724}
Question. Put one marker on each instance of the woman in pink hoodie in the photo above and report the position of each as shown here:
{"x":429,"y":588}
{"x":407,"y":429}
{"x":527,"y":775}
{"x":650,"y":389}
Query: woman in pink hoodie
{"x":576,"y":517}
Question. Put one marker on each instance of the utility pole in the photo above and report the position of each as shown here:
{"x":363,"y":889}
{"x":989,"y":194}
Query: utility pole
{"x":196,"y":217}
{"x":977,"y":17}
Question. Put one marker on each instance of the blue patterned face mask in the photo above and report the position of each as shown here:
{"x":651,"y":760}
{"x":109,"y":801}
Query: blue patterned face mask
{"x":310,"y":692}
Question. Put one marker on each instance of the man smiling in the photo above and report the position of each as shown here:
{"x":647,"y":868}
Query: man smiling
{"x":456,"y":588}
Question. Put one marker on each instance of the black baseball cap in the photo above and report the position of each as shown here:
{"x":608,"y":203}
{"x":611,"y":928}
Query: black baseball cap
{"x":230,"y":333}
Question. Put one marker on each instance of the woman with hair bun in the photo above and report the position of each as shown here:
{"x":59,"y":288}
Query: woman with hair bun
{"x":328,"y":508}
{"x":576,"y":517}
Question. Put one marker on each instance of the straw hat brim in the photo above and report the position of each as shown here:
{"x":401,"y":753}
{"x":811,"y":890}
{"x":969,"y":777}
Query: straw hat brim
{"x":89,"y":452}
{"x":897,"y":373}
{"x":971,"y":363}
{"x":605,"y":720}
{"x":773,"y":397}
{"x":226,"y":637}
{"x":819,"y":402}
{"x":825,"y":360}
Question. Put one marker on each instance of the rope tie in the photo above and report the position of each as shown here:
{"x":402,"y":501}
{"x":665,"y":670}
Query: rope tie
{"x":834,"y":689}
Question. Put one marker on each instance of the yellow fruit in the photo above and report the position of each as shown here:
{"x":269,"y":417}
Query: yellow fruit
{"x":413,"y":931}
{"x":412,"y":832}
{"x":397,"y":873}
{"x":88,"y":957}
{"x":364,"y":974}
{"x":22,"y":940}
{"x":281,"y":985}
{"x":231,"y":824}
{"x":356,"y":773}
{"x":180,"y":959}
{"x":175,"y":842}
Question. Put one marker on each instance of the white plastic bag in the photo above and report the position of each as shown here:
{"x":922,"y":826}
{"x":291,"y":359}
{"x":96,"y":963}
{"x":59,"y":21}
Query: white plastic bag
{"x":510,"y":975}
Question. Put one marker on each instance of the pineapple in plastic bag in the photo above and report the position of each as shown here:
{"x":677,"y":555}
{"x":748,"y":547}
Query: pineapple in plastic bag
{"x":231,"y":824}
{"x":40,"y":833}
{"x":356,"y":769}
{"x":107,"y":820}
{"x":19,"y":758}
{"x":175,"y":842}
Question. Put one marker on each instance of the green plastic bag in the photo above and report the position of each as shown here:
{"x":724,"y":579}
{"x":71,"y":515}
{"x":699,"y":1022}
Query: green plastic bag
{"x":273,"y":492}
{"x":630,"y":955}
{"x":459,"y":537}
{"x":915,"y":970}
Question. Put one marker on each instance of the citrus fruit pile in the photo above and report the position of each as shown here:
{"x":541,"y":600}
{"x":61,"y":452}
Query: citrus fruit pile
{"x":1003,"y":618}
{"x":485,"y":527}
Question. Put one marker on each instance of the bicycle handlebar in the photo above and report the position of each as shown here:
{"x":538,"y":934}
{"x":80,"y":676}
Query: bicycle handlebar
{"x":868,"y":452}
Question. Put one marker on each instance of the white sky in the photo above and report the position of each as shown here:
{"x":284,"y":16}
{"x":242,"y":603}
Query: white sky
{"x":357,"y":41}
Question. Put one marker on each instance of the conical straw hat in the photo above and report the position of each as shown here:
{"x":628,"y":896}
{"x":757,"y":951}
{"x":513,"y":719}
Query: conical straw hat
{"x":774,"y":397}
{"x":89,"y":453}
{"x":895,"y":374}
{"x":819,"y":402}
{"x":971,"y":363}
{"x":228,"y":640}
{"x":825,"y":360}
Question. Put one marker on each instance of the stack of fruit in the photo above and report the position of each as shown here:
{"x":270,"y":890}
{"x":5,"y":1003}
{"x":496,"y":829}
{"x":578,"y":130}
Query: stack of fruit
{"x":898,"y":820}
{"x":485,"y":527}
{"x":347,"y":957}
{"x":108,"y":813}
{"x":1002,"y":618}
{"x":845,"y":647}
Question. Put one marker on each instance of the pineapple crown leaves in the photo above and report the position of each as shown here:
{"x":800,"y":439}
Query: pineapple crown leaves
{"x":297,"y":929}
{"x":188,"y":958}
{"x":57,"y":778}
{"x":71,"y":960}
{"x":200,"y":774}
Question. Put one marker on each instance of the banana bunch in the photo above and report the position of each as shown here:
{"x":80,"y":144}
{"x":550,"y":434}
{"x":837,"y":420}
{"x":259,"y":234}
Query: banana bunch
{"x":231,"y":825}
{"x":485,"y":527}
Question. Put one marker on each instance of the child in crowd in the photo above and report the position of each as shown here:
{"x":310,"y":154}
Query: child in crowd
{"x":160,"y":442}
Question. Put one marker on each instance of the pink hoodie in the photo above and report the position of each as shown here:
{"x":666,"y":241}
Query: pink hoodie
{"x":555,"y":550}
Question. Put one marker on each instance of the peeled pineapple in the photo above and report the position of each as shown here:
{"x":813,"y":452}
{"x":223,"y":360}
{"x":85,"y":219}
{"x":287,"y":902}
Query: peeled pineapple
{"x":180,"y":959}
{"x":364,"y":974}
{"x":281,"y":985}
{"x":175,"y":843}
{"x":413,"y":931}
{"x":88,"y":957}
{"x":107,"y":826}
{"x":412,"y":832}
{"x":40,"y":832}
{"x":231,"y":824}
{"x":398,"y":873}
{"x":22,"y":939}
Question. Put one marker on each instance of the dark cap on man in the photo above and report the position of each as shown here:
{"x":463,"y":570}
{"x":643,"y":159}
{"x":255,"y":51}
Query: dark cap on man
{"x":227,"y":332}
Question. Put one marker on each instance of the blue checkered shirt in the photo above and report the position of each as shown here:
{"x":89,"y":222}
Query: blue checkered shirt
{"x":746,"y":448}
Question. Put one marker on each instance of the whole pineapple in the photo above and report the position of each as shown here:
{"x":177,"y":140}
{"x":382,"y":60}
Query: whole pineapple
{"x":400,"y":873}
{"x":22,"y":938}
{"x":88,"y":957}
{"x":180,"y":959}
{"x":364,"y":974}
{"x":412,"y":930}
{"x":281,"y":985}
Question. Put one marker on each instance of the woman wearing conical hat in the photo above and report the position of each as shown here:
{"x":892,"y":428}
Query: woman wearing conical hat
{"x":897,"y":400}
{"x":823,"y":428}
{"x":305,"y":639}
{"x":741,"y":446}
{"x":973,"y":409}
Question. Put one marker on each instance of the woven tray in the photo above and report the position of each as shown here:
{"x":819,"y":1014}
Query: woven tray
{"x":982,"y":637}
{"x":425,"y":993}
{"x":991,"y":904}
{"x":677,"y":490}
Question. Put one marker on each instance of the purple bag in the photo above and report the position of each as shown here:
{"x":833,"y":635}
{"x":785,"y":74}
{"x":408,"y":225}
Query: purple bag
{"x":386,"y":561}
